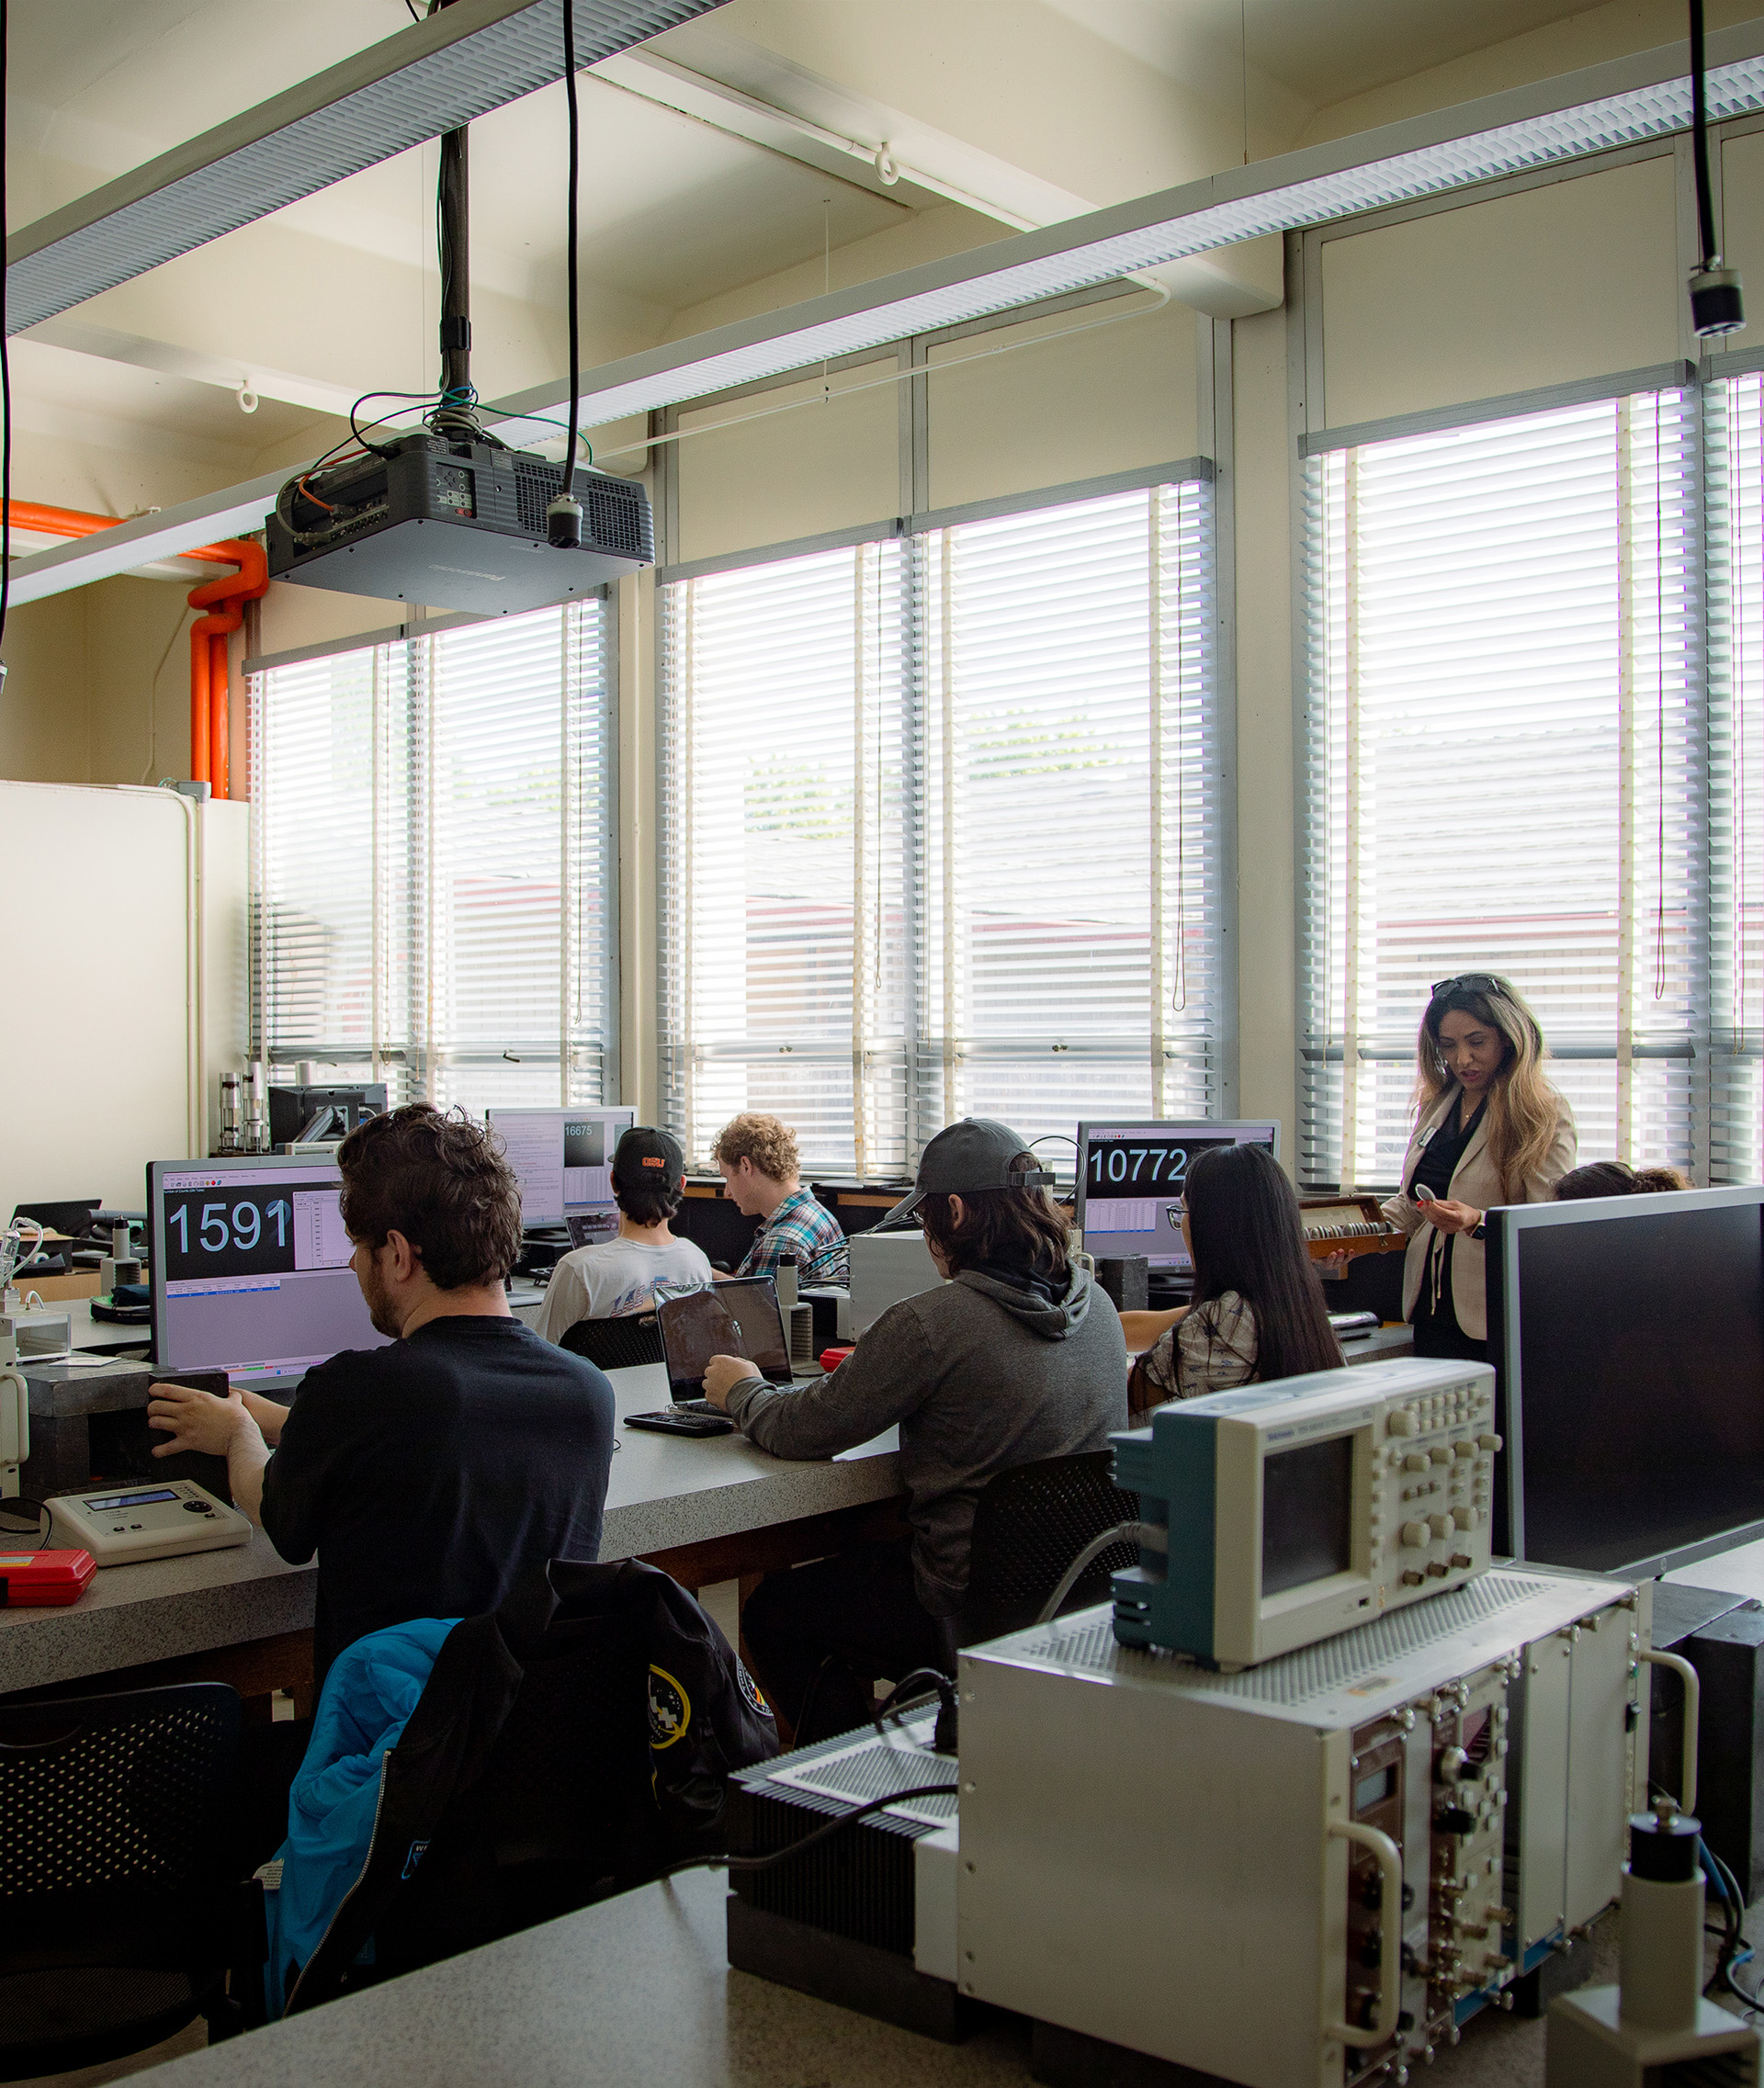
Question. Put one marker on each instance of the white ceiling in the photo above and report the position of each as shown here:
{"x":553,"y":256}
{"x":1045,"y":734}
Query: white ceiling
{"x":1028,"y":110}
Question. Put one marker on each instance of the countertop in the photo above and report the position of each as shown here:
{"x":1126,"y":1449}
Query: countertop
{"x":637,"y":1992}
{"x":663,"y":1491}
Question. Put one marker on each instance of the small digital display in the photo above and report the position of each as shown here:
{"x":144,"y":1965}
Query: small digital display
{"x":1374,"y":1789}
{"x":111,"y":1502}
{"x":1306,"y":1513}
{"x":1131,"y":1180}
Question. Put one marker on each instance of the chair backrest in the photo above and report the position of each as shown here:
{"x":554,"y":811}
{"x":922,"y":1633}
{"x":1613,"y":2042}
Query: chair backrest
{"x":113,"y":1810}
{"x":615,"y":1344}
{"x":1030,"y":1523}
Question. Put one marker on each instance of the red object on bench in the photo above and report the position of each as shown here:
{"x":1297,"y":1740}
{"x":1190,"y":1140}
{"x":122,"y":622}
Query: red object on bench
{"x":830,"y":1359}
{"x":30,"y":1580}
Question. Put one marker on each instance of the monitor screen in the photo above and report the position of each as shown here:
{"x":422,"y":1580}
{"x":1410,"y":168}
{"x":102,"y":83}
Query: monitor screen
{"x":1306,"y":1513}
{"x":1629,"y":1335}
{"x":564,"y":1159}
{"x":1130,"y":1181}
{"x":251,"y":1267}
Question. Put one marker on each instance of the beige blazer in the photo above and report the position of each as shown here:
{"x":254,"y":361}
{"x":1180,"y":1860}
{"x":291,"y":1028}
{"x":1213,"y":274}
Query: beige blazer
{"x":1474,"y":1182}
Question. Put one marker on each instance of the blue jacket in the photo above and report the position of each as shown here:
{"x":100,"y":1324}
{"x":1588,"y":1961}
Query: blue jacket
{"x":369,"y":1693}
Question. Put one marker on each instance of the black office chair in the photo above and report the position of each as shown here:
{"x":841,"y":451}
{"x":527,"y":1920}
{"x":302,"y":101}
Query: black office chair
{"x":1029,"y":1525}
{"x":615,"y":1344}
{"x":119,"y":1919}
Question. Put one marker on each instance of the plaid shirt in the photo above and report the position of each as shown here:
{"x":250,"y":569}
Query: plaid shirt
{"x":809,"y":1230}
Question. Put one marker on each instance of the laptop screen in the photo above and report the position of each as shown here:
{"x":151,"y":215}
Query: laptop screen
{"x":737,"y":1318}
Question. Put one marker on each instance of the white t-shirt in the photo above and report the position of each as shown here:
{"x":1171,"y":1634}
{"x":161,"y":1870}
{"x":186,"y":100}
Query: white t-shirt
{"x":615,"y":1278}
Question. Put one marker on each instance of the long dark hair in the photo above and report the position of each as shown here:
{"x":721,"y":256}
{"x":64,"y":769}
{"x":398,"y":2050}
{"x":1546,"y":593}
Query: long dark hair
{"x":1021,"y":1228}
{"x":1244,"y":1225}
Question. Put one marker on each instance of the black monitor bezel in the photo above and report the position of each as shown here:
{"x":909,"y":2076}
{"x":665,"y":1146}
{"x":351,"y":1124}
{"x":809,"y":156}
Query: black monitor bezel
{"x":1506,"y":1224}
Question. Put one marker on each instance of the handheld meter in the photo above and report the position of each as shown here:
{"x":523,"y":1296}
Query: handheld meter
{"x":121,"y":1524}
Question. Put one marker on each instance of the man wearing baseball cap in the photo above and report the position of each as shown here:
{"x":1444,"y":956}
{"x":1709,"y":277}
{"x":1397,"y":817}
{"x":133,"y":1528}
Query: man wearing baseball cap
{"x":1016,"y":1358}
{"x":619,"y":1275}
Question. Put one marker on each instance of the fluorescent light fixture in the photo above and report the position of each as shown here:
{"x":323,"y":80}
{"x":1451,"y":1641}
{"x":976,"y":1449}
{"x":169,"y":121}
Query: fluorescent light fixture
{"x":1622,"y":103}
{"x":437,"y":74}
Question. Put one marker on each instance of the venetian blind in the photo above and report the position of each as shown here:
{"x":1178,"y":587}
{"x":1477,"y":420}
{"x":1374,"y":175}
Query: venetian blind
{"x":784,"y":883}
{"x":1505,"y":768}
{"x":434,"y":889}
{"x":941,"y":831}
{"x":1733,"y":445}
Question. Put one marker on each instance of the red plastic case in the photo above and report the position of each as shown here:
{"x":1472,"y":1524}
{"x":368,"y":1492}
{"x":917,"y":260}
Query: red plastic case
{"x":44,"y":1579}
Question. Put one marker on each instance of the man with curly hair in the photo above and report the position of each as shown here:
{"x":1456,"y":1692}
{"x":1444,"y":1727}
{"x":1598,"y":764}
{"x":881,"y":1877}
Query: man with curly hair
{"x":430,"y":1474}
{"x":756,"y":1157}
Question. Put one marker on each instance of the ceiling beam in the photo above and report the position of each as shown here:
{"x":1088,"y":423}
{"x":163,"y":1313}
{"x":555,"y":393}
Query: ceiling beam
{"x":440,"y":72}
{"x":196,"y":365}
{"x":1553,"y":122}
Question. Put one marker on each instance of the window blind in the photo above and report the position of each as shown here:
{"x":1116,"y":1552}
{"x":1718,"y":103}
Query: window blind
{"x":940,"y":832}
{"x":1505,"y":767}
{"x":782,"y":869}
{"x":1734,"y":442}
{"x":433,"y":886}
{"x":1070,"y":886}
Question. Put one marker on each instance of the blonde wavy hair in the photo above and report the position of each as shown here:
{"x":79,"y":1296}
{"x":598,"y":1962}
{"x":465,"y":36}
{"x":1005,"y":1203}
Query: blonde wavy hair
{"x":767,"y":1141}
{"x":1522,"y":1102}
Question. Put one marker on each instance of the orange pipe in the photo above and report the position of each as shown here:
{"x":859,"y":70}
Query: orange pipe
{"x":210,"y":718}
{"x":71,"y":522}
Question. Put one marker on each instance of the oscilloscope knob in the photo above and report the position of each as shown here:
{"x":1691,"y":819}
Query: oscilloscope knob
{"x":1488,"y":1443}
{"x":1441,"y":1524}
{"x":1399,"y":1423}
{"x":1418,"y":1461}
{"x":1414,"y":1536}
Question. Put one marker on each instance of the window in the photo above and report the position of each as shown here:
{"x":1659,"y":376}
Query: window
{"x":941,"y":831}
{"x":1734,"y":440}
{"x":433,"y":874}
{"x":1507,"y":769}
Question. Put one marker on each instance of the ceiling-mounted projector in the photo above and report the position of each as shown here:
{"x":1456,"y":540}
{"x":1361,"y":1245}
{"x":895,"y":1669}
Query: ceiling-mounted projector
{"x":446,"y":514}
{"x":444,"y":517}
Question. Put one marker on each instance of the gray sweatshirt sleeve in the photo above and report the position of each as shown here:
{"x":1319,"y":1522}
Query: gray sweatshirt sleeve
{"x":887,"y":1376}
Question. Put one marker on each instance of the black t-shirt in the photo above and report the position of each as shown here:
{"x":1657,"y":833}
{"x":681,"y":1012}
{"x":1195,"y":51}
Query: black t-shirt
{"x":1440,"y":1157}
{"x":430,"y":1474}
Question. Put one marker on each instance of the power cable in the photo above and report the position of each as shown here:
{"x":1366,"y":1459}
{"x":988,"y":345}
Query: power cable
{"x":1717,"y":303}
{"x":563,"y":517}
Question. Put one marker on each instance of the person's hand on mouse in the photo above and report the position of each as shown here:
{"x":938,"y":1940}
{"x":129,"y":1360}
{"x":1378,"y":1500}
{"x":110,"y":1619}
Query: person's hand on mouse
{"x":722,"y":1374}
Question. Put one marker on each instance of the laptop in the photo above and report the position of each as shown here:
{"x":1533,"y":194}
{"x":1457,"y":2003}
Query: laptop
{"x":739,"y":1318}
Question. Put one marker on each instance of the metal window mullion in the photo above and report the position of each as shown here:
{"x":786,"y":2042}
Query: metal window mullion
{"x":1625,"y":783}
{"x":951,"y":765}
{"x":861,"y":911}
{"x":1353,"y":795}
{"x":1155,"y":765}
{"x":567,"y":809}
{"x":686,"y":753}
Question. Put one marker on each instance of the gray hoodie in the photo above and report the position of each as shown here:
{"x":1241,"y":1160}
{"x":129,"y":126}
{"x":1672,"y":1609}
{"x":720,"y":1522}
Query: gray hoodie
{"x":981,"y":1376}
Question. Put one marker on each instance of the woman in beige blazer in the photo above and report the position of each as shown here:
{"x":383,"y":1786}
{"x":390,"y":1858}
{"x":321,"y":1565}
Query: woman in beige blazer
{"x":1489,"y":1129}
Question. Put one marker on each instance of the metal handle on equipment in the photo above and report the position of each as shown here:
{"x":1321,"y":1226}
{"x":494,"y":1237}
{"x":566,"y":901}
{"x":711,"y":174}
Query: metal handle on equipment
{"x":1692,"y":1705}
{"x":1390,"y":1934}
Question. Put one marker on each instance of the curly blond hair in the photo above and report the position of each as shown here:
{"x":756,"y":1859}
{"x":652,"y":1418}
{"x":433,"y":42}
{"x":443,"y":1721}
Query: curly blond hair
{"x":767,"y":1141}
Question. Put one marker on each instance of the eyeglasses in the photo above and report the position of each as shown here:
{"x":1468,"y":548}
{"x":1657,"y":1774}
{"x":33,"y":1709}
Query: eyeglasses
{"x":1476,"y":982}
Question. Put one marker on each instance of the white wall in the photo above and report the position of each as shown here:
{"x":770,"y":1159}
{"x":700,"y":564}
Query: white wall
{"x":137,"y":986}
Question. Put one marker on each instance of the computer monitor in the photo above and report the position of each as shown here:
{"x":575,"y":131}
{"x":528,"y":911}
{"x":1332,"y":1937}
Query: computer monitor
{"x":564,"y":1159}
{"x":250,"y":1269}
{"x":1130,"y":1179}
{"x":1627,"y":1333}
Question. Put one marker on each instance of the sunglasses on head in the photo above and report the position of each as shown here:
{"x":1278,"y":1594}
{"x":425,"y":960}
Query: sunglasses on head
{"x":1473,"y":982}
